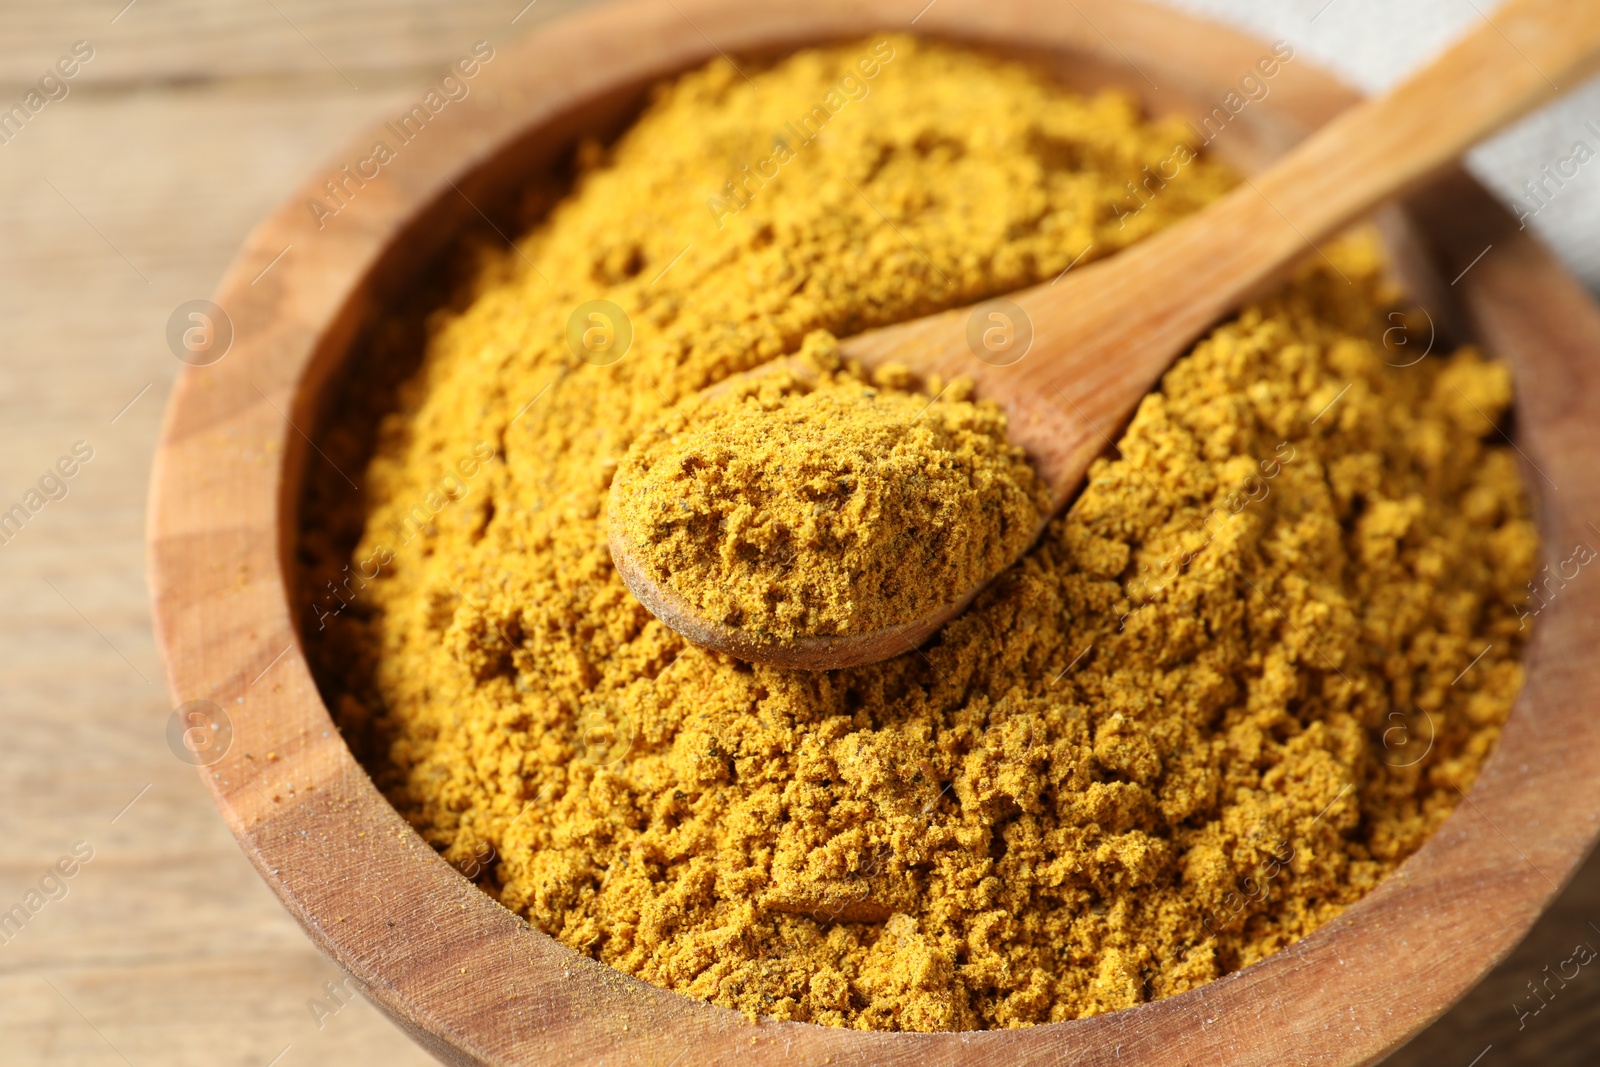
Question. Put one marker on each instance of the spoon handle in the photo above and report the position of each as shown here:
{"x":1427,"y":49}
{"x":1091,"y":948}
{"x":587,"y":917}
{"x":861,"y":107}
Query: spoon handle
{"x":1519,"y":56}
{"x":1184,"y":280}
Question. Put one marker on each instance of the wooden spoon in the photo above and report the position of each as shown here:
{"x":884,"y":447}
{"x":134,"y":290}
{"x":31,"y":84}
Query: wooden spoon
{"x":1070,"y":360}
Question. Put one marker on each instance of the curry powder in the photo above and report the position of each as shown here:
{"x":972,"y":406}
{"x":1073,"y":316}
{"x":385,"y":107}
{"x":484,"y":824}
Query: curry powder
{"x":1220,"y":699}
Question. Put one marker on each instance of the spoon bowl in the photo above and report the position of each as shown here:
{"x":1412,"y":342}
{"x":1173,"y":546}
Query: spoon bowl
{"x":806,"y":652}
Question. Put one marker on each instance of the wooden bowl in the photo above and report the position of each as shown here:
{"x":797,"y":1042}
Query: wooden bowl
{"x":473,"y":982}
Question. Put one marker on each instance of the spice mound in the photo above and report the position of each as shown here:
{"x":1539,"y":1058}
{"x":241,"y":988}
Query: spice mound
{"x":1222,"y":697}
{"x":805,"y":505}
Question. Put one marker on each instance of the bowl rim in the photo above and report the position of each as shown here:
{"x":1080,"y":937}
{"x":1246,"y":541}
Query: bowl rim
{"x":474,"y":983}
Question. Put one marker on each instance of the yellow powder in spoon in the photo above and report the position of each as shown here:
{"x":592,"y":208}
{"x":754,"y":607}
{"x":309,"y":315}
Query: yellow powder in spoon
{"x":1225,"y":695}
{"x":825,"y":503}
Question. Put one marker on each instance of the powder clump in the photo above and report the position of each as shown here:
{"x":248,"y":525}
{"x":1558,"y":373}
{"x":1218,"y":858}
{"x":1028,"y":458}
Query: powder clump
{"x":1221,"y":698}
{"x":819,"y":502}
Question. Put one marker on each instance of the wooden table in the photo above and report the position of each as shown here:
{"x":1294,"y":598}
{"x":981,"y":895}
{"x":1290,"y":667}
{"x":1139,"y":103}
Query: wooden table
{"x":121,"y":200}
